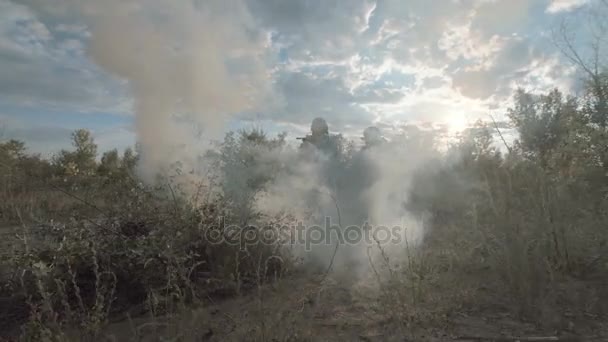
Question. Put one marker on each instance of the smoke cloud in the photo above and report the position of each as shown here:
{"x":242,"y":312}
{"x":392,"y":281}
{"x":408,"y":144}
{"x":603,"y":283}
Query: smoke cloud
{"x":190,"y":65}
{"x":193,"y":65}
{"x":361,"y":191}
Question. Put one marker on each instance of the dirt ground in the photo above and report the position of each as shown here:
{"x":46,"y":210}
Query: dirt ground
{"x":313,"y":308}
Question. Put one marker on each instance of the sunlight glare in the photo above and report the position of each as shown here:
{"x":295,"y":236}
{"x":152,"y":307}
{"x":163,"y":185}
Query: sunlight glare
{"x":456,"y":122}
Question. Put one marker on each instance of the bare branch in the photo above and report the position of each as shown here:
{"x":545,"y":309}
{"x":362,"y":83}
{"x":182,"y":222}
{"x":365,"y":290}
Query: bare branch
{"x":500,"y":134}
{"x":571,"y":53}
{"x":333,"y":257}
{"x":591,"y":63}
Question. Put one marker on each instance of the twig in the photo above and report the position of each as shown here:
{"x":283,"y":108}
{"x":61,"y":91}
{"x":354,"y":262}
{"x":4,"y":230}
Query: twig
{"x":174,"y":199}
{"x":234,"y":322}
{"x":85,"y":202}
{"x":333,"y":257}
{"x":371,"y":263}
{"x":500,"y":134}
{"x":25,"y":230}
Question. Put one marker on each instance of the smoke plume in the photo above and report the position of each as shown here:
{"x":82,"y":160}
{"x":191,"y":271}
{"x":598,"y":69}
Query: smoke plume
{"x":189,"y":64}
{"x":355,"y":191}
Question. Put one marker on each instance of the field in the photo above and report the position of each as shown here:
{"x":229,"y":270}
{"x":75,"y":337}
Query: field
{"x":303,"y":170}
{"x":509,"y":245}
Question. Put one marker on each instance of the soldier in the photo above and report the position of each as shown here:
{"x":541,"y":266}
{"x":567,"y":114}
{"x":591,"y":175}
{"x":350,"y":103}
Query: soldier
{"x":372,"y":137}
{"x":362,"y":174}
{"x":322,"y":150}
{"x":320,"y":138}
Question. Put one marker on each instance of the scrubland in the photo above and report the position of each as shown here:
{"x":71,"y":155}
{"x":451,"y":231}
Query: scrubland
{"x":512,"y":241}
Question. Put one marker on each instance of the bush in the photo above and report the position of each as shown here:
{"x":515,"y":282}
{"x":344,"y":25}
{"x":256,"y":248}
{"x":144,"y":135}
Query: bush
{"x":122,"y":248}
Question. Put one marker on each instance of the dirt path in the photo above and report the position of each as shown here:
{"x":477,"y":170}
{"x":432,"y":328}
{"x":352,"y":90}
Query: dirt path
{"x":302,"y":309}
{"x":292,"y":309}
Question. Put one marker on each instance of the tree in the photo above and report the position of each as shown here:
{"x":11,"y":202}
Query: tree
{"x":110,"y":163}
{"x":86,"y":150}
{"x":12,"y":149}
{"x":589,"y":57}
{"x":543,"y":122}
{"x":129,"y":160}
{"x":11,"y":152}
{"x":247,"y":164}
{"x":82,"y":160}
{"x":477,"y":141}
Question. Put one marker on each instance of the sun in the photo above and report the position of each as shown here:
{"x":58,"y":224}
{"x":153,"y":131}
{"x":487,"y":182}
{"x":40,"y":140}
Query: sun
{"x":457,"y":122}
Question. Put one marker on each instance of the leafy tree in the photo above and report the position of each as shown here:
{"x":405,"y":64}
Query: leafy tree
{"x":247,"y":166}
{"x":11,"y":152}
{"x":12,"y":149}
{"x":86,"y":149}
{"x":110,"y":163}
{"x":129,"y":159}
{"x":477,"y":142}
{"x":82,"y":160}
{"x":543,"y":122}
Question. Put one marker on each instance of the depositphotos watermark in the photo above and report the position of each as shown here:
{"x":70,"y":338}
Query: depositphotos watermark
{"x":305,"y":235}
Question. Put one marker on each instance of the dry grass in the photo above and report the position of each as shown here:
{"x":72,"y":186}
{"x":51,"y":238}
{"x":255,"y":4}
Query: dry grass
{"x":518,"y":242}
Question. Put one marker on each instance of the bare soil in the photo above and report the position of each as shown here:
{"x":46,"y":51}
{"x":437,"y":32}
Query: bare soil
{"x":310,"y":308}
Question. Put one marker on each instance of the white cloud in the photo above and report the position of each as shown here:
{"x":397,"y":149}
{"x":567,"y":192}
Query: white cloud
{"x":41,"y":70}
{"x":73,"y":29}
{"x":557,"y":6}
{"x":354,"y":62}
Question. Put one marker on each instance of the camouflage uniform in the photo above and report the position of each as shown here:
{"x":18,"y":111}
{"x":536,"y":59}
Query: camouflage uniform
{"x":361,"y":176}
{"x":320,"y":140}
{"x":372,"y":137}
{"x":322,"y":149}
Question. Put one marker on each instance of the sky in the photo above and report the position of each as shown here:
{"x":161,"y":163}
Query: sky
{"x":270,"y":64}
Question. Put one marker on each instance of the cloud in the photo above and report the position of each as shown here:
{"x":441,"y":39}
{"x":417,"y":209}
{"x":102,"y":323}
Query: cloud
{"x":315,"y":28}
{"x":306,"y":96}
{"x":557,"y":6}
{"x":73,"y":29}
{"x":512,"y":61}
{"x":40,"y":69}
{"x":188,"y":64}
{"x":212,"y":62}
{"x":479,"y":47}
{"x":504,"y":17}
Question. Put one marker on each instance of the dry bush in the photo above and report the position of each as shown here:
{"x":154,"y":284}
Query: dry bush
{"x":150,"y":255}
{"x":527,"y":242}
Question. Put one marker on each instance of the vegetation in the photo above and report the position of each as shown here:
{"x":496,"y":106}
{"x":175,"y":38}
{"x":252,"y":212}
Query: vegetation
{"x":530,"y":225}
{"x":85,"y":241}
{"x":521,"y":230}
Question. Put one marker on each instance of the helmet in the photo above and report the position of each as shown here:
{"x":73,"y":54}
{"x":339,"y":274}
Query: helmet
{"x":372,"y":135}
{"x":319,"y":127}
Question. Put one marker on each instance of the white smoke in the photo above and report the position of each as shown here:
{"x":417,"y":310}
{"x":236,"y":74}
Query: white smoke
{"x":368,"y":189}
{"x":189,"y":64}
{"x":386,"y":199}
